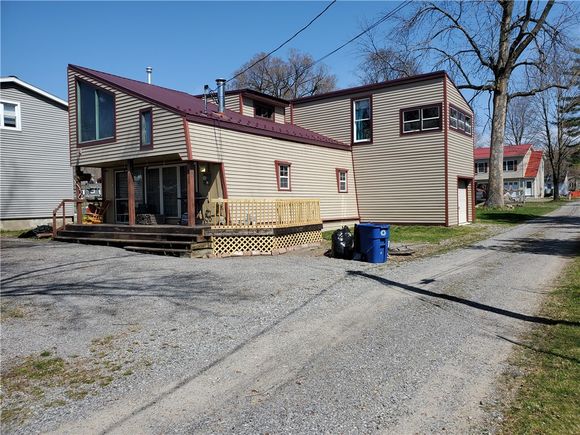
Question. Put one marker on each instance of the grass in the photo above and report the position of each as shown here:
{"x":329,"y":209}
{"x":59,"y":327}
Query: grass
{"x":11,"y":233}
{"x":8,"y":310}
{"x":517,"y":215}
{"x":548,"y":398}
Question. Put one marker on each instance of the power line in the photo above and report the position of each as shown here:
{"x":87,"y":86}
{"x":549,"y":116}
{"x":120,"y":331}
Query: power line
{"x":368,"y":29}
{"x":285,"y":42}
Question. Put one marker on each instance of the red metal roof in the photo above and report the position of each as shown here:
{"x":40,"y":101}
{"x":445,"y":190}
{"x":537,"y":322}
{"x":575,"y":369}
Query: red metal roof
{"x":193,"y":109}
{"x":534,"y":164}
{"x":508,"y":151}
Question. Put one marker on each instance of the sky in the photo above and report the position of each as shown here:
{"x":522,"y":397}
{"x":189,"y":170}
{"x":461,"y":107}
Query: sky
{"x":188,"y":44}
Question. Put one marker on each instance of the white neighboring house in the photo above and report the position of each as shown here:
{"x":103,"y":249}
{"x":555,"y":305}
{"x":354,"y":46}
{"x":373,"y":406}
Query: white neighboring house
{"x":523,"y":169}
{"x":35,"y":174}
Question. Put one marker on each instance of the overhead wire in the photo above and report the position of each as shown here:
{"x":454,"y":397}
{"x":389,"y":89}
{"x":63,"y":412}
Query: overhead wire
{"x":285,"y":42}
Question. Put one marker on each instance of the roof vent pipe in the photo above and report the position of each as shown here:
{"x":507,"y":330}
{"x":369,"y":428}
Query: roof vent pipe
{"x":221,"y":95}
{"x":149,"y":71}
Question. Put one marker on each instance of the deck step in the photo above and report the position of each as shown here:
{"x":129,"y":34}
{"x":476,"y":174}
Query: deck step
{"x":172,"y":229}
{"x":123,"y":243}
{"x":133,"y":236}
{"x":158,"y":251}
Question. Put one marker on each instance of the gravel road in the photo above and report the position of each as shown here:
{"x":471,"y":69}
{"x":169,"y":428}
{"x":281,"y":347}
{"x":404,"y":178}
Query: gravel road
{"x":283,"y":344}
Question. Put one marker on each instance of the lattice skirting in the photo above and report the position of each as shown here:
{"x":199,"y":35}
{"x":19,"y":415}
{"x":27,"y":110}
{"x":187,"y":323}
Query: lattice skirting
{"x":225,"y":245}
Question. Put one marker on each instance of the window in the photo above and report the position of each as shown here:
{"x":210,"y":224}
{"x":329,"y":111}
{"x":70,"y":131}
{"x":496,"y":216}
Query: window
{"x":481,"y":167}
{"x":342,"y":180}
{"x":283,"y":175}
{"x":421,"y":119}
{"x":10,"y":115}
{"x":96,"y":113}
{"x":459,"y":120}
{"x":146,"y":124}
{"x":362,"y":120}
{"x":263,"y":110}
{"x":510,"y":165}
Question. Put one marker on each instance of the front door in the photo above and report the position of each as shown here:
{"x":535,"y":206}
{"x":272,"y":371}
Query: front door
{"x":462,"y":201}
{"x":529,"y":188}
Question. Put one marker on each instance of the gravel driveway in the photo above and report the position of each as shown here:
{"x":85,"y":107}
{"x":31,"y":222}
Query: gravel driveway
{"x":280,"y":344}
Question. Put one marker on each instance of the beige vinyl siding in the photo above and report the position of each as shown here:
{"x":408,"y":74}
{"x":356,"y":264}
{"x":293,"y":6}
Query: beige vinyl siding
{"x":459,"y":155}
{"x":250,"y":172}
{"x":168,"y":131}
{"x":35,"y":174}
{"x":279,"y":115}
{"x":330,"y":117}
{"x":248,"y":107}
{"x":399,"y":178}
{"x":233,"y":102}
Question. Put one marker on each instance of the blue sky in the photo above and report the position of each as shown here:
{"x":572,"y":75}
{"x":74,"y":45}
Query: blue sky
{"x":188,"y":44}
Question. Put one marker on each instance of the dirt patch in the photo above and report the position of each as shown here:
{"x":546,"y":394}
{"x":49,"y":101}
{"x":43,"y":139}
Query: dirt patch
{"x":47,"y":380}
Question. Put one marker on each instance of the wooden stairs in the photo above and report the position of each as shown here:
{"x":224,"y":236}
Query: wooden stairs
{"x":174,"y":240}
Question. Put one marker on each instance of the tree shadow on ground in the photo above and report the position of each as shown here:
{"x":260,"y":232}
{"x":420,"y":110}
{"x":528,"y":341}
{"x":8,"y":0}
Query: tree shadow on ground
{"x":463,"y":301}
{"x":564,"y":248}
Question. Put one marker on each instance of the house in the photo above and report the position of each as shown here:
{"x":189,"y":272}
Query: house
{"x":35,"y":172}
{"x":523,"y":169}
{"x":397,"y":152}
{"x":412,"y":147}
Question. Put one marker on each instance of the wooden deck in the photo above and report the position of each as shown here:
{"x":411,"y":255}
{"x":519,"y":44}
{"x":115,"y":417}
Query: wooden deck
{"x":172,"y":240}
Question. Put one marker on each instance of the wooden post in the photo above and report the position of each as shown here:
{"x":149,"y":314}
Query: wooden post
{"x":131,"y":192}
{"x":190,"y":194}
{"x":78,"y":196}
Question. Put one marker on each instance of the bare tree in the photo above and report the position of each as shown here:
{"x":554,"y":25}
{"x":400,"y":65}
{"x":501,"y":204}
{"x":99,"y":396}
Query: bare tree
{"x":522,"y":123}
{"x":381,"y":62}
{"x":557,"y":107}
{"x":485,"y":44}
{"x":295,"y":77}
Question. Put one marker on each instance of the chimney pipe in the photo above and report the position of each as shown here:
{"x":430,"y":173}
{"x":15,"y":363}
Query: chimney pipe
{"x":149,"y":71}
{"x":221,"y":94}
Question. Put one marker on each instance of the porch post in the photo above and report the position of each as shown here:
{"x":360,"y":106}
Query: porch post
{"x":190,"y":194}
{"x":78,"y":196}
{"x":131,"y":192}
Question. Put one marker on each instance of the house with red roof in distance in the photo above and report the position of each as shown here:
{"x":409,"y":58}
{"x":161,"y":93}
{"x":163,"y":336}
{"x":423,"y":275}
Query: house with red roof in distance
{"x":523,"y":169}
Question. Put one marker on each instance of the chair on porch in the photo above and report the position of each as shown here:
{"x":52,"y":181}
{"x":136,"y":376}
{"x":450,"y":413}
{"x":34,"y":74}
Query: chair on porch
{"x":95,"y":213}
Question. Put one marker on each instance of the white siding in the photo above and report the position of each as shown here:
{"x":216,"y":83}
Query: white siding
{"x":168,"y":130}
{"x":399,"y":178}
{"x":233,"y":102}
{"x":249,"y":163}
{"x":35,"y":173}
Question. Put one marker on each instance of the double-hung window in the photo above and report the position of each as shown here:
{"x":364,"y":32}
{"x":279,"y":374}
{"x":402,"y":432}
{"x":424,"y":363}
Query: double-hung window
{"x":510,"y":165}
{"x":146,"y":124}
{"x":283,"y":175}
{"x":10,"y":115}
{"x":342,"y":180}
{"x":481,"y":167}
{"x":419,"y":119}
{"x":460,"y":121}
{"x":95,"y":112}
{"x":362,"y":120}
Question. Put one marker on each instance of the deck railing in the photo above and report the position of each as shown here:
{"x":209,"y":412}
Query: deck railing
{"x":263,"y":213}
{"x":62,"y":205}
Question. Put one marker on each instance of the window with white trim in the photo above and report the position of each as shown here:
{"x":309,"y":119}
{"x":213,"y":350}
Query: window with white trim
{"x":10,"y":115}
{"x":283,"y":172}
{"x":481,"y":167}
{"x":342,"y":180}
{"x":421,"y":119}
{"x":362,"y":120}
{"x":510,"y":165}
{"x":459,"y":120}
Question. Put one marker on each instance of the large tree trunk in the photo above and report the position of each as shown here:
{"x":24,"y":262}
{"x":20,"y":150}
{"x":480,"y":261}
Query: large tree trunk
{"x":500,"y":102}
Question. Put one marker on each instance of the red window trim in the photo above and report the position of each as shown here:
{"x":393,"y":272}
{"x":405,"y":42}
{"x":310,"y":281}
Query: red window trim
{"x":352,"y":100}
{"x":76,"y":114}
{"x":457,"y":129}
{"x":338,"y":172}
{"x":420,"y":108}
{"x":142,"y":146}
{"x":277,"y":164}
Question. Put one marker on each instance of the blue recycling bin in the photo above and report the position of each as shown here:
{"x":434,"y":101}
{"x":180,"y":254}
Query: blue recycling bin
{"x":372,"y":241}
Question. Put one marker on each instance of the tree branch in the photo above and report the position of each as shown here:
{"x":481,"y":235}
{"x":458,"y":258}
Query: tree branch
{"x":535,"y":91}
